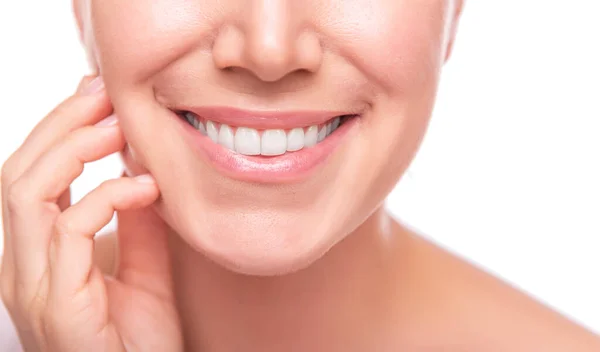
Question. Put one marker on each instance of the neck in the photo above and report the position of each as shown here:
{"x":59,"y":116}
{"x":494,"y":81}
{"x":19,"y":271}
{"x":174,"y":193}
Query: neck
{"x":334,"y":300}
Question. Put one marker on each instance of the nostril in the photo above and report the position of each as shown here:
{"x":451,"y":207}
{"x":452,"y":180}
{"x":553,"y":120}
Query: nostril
{"x":267,"y":52}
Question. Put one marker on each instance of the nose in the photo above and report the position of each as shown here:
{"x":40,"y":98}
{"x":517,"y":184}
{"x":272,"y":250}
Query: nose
{"x":270,"y":39}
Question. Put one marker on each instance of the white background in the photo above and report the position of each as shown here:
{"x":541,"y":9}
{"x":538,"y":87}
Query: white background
{"x":508,"y":175}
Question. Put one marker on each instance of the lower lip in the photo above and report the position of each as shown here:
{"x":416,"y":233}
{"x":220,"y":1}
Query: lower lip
{"x":289,"y":167}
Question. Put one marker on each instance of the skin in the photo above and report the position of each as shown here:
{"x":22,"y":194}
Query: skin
{"x":310,"y":266}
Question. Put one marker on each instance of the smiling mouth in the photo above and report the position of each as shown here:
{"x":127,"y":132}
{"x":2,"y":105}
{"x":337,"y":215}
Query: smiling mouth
{"x":264,"y":142}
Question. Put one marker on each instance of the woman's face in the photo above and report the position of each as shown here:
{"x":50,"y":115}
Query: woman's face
{"x":263,"y":72}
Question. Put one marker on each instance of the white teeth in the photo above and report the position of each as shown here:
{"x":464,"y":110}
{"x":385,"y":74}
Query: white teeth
{"x":310,"y":136}
{"x":295,"y":139}
{"x":190,"y":118}
{"x":212,"y":132}
{"x":273,"y":142}
{"x":336,"y":123}
{"x":247,"y":141}
{"x":200,"y":127}
{"x":195,"y":122}
{"x":322,"y":134}
{"x":226,"y":137}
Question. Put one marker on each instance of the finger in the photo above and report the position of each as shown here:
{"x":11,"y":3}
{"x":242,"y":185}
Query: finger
{"x":85,"y":108}
{"x":143,"y":251}
{"x":72,"y":245}
{"x":88,"y":107}
{"x":33,"y":197}
{"x":84,"y":83}
{"x":51,"y":175}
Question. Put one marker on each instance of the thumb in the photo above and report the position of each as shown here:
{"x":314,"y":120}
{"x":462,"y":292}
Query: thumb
{"x":144,"y":260}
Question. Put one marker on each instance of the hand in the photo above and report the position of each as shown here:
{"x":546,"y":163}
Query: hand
{"x":57,"y":297}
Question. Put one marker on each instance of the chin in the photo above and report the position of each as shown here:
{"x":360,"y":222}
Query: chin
{"x":255,"y":253}
{"x":256,"y":244}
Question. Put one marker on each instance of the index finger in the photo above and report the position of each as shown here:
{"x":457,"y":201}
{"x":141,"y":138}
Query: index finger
{"x":88,"y":106}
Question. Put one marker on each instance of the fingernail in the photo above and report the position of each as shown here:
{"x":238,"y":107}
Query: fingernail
{"x":95,"y":86}
{"x":147,"y":178}
{"x":83,"y":83}
{"x":108,"y":122}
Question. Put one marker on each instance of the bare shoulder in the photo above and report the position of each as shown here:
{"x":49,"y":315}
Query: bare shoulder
{"x":475,"y":309}
{"x":105,"y":252}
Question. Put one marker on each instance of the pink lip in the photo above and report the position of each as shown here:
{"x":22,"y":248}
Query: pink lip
{"x":264,"y":119}
{"x":287,"y":168}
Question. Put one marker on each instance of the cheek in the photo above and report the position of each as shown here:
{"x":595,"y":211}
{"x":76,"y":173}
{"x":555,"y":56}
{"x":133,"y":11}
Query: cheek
{"x":134,"y":39}
{"x":401,"y":50}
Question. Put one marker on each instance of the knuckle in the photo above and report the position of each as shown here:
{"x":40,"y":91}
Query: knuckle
{"x":63,"y":226}
{"x":107,"y":192}
{"x":78,"y":135}
{"x":7,"y":291}
{"x":106,"y":186}
{"x":74,"y":146}
{"x":63,"y":108}
{"x":18,"y":196}
{"x":7,"y":171}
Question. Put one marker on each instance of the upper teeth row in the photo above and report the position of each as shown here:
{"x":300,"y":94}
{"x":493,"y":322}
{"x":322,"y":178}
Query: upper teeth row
{"x":249,"y":141}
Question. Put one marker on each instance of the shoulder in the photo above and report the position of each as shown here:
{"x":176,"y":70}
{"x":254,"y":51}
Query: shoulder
{"x":473,"y":308}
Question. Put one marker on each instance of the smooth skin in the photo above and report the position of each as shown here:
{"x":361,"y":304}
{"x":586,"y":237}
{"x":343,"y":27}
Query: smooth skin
{"x":194,"y":267}
{"x":61,"y":299}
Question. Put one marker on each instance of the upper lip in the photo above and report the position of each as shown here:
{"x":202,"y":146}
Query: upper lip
{"x":272,"y":119}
